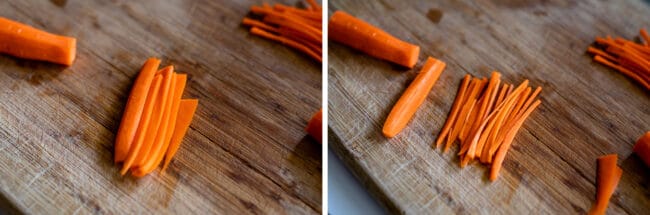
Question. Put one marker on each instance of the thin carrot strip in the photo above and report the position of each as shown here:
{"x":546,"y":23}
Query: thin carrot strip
{"x":300,"y":36}
{"x":455,"y":108}
{"x":645,"y":37}
{"x":502,"y":94}
{"x":353,"y":32}
{"x":503,"y":149}
{"x":609,"y":174}
{"x":462,"y":117}
{"x":626,"y":72}
{"x":134,"y":108}
{"x":413,"y":97}
{"x":157,"y":117}
{"x":286,"y":41}
{"x":606,"y":55}
{"x":143,"y":125}
{"x":24,"y":41}
{"x":506,"y":108}
{"x":468,"y":122}
{"x":488,"y":97}
{"x":185,"y":114}
{"x":292,"y":22}
{"x":261,"y":25}
{"x":302,"y":13}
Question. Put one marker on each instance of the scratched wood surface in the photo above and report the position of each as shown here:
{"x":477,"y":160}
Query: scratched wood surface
{"x":588,"y":110}
{"x":245,"y":152}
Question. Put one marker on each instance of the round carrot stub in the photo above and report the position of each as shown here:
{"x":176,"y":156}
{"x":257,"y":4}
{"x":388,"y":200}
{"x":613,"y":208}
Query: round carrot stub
{"x":315,"y":126}
{"x":642,"y":148}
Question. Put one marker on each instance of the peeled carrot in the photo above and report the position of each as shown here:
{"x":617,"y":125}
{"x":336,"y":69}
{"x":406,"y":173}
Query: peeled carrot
{"x":143,"y":125}
{"x":134,"y":109}
{"x":183,"y":121}
{"x":353,"y":32}
{"x":609,"y":174}
{"x":413,"y":97}
{"x":315,"y":126}
{"x":24,"y":41}
{"x":642,"y":148}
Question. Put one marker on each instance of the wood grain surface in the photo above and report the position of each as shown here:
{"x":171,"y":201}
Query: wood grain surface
{"x":246,"y":150}
{"x":588,"y":110}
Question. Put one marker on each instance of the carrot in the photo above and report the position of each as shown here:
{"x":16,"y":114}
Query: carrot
{"x":315,"y":126}
{"x":642,"y":148}
{"x":24,"y":41}
{"x":353,"y":32}
{"x":261,"y":25}
{"x":183,"y":121}
{"x":134,"y":109}
{"x":413,"y":97}
{"x":454,"y":112}
{"x":609,"y":174}
{"x":623,"y":70}
{"x":143,"y":125}
{"x":644,"y":35}
{"x":286,"y":41}
{"x":503,"y":149}
{"x":629,"y":58}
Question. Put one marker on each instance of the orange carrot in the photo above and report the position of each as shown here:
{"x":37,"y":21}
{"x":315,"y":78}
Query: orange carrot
{"x":24,"y":41}
{"x":286,"y":41}
{"x":630,"y":74}
{"x":454,"y":112}
{"x":642,"y":148}
{"x":644,"y":35}
{"x":609,"y":174}
{"x":353,"y":32}
{"x":183,"y":121}
{"x":629,"y":58}
{"x":143,"y":125}
{"x":134,"y":108}
{"x":503,"y":149}
{"x":413,"y":97}
{"x":315,"y":126}
{"x":261,"y":25}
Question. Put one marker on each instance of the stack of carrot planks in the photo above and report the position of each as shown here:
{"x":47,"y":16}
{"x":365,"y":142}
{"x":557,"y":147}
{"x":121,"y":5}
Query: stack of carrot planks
{"x":154,"y":121}
{"x":297,"y":28}
{"x":485,"y":118}
{"x":629,"y":58}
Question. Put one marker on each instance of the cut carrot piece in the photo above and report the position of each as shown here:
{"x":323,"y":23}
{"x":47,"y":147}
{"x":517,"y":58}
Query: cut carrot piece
{"x":413,"y":97}
{"x":454,"y":112}
{"x":143,"y":125}
{"x":353,"y":32}
{"x":645,"y":37}
{"x":286,"y":41}
{"x":183,"y":121}
{"x":315,"y":126}
{"x":24,"y":41}
{"x":642,"y":148}
{"x":609,"y":174}
{"x":134,"y":109}
{"x":503,"y":149}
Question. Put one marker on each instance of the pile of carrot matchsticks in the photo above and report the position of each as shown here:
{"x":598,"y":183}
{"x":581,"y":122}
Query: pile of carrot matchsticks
{"x":297,"y":28}
{"x":154,"y":121}
{"x":629,"y":58}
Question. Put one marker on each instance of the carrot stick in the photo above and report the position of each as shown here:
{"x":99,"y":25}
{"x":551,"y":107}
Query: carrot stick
{"x":286,"y":21}
{"x":143,"y":125}
{"x":413,"y":97}
{"x":644,"y":35}
{"x":626,"y":72}
{"x":353,"y":32}
{"x":315,"y":126}
{"x":134,"y":108}
{"x":462,"y":117}
{"x":473,"y":95}
{"x":609,"y":174}
{"x":24,"y":41}
{"x":261,"y":25}
{"x":607,"y":56}
{"x":502,"y":94}
{"x":181,"y":80}
{"x":286,"y":41}
{"x":183,"y":121}
{"x":503,"y":149}
{"x":454,"y":111}
{"x":160,"y":143}
{"x":642,"y":148}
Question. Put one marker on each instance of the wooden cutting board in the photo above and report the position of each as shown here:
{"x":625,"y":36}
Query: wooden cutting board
{"x":588,"y":110}
{"x":245,"y":152}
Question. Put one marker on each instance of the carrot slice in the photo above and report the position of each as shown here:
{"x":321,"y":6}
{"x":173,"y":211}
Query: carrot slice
{"x":143,"y":124}
{"x":454,"y":112}
{"x":642,"y":148}
{"x":134,"y":108}
{"x":503,"y":149}
{"x":413,"y":97}
{"x":315,"y":126}
{"x":24,"y":41}
{"x":183,"y":121}
{"x":360,"y":35}
{"x":609,"y":174}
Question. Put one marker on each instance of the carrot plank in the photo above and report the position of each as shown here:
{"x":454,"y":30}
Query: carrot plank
{"x":183,"y":121}
{"x":413,"y":97}
{"x":24,"y":41}
{"x":134,"y":109}
{"x":347,"y":29}
{"x":609,"y":174}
